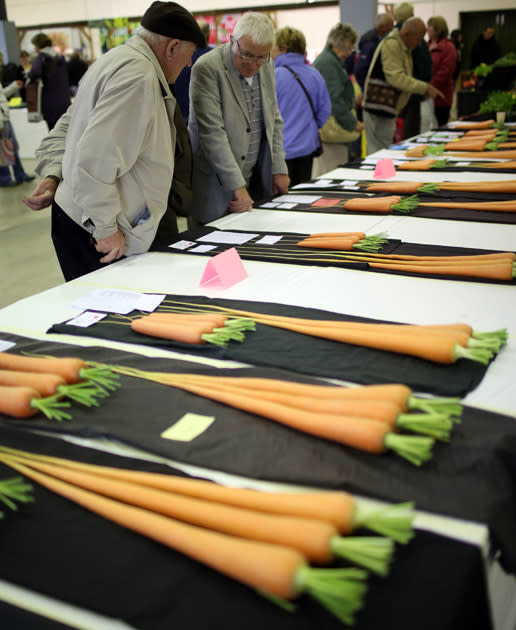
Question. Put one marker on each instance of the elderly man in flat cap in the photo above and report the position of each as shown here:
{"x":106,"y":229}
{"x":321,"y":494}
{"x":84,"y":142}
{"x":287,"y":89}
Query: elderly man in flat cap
{"x":235,"y":125}
{"x":107,"y":167}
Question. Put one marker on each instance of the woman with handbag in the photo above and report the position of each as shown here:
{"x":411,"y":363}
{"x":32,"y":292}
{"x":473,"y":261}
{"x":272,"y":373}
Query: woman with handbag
{"x":303,"y":101}
{"x":342,"y":128}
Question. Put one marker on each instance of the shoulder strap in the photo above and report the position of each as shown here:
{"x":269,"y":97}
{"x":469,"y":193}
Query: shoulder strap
{"x":296,"y":76}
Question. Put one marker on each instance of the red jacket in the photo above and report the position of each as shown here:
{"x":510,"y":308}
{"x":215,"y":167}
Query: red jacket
{"x":444,"y":60}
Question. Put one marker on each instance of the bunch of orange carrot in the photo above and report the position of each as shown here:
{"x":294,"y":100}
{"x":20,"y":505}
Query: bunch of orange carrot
{"x":367,"y":418}
{"x":266,"y":541}
{"x":441,"y":343}
{"x":29,"y":385}
{"x":409,"y":188}
{"x":193,"y":328}
{"x":347,"y":241}
{"x":495,"y":266}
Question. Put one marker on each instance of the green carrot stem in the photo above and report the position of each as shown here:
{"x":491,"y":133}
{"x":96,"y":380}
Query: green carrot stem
{"x":489,"y":343}
{"x":371,"y":552}
{"x":14,"y":489}
{"x":435,"y":149}
{"x":480,"y":355}
{"x":285,"y":604}
{"x":394,"y":521}
{"x":440,"y":163}
{"x":429,"y":188}
{"x":101,"y":376}
{"x":84,"y":393}
{"x":500,"y":334}
{"x":51,"y":407}
{"x":491,"y":146}
{"x":449,"y":406}
{"x":407,"y":204}
{"x":436,"y":425}
{"x":341,"y":591}
{"x":414,"y":448}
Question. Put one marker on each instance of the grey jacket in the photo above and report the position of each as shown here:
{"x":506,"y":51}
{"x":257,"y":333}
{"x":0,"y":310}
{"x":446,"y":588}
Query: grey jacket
{"x":114,"y":148}
{"x":219,"y":130}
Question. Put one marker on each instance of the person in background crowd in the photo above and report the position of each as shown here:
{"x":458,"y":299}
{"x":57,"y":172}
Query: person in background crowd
{"x":50,"y":67}
{"x":392,"y":62}
{"x":402,"y":12}
{"x":9,"y":72}
{"x":235,"y":125}
{"x":109,"y":162}
{"x":7,"y":134}
{"x":25,"y":62}
{"x":486,"y":48}
{"x":343,"y":121}
{"x":456,"y":40}
{"x":182,"y":84}
{"x":77,"y":67}
{"x":384,"y":24}
{"x":303,"y":101}
{"x":444,"y":62}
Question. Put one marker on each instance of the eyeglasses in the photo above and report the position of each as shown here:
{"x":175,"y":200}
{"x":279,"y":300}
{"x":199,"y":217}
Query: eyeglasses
{"x":246,"y":57}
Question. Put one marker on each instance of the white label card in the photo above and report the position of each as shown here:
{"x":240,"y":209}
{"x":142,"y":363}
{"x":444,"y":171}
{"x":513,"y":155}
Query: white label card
{"x":6,"y":345}
{"x":235,"y":238}
{"x":182,"y":244}
{"x":269,"y":239}
{"x":187,"y":428}
{"x":86,"y":319}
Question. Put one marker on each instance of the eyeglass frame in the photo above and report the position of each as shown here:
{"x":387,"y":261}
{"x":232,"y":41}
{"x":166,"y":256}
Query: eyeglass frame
{"x":258,"y":60}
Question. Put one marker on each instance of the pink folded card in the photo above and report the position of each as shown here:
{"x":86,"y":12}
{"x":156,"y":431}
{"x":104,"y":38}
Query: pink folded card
{"x":224,"y":270}
{"x":384,"y":169}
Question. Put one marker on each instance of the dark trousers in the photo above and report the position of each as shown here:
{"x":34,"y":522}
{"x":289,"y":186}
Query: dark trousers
{"x":75,"y":247}
{"x":300,"y":169}
{"x":442,"y":114}
{"x":411,"y":115}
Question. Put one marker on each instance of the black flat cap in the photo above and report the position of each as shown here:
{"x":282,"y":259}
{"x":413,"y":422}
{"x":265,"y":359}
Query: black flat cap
{"x":172,"y":20}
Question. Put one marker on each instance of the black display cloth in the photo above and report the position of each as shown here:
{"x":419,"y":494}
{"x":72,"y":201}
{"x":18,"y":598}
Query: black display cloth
{"x":275,"y":347}
{"x":472,"y":477}
{"x":429,"y":212}
{"x":286,"y":251}
{"x":60,"y":549}
{"x":447,"y":168}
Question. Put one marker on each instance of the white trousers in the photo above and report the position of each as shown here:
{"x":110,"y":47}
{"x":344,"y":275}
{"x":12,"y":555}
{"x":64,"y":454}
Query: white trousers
{"x":379,"y":131}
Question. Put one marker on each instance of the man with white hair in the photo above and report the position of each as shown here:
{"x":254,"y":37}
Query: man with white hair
{"x":235,"y":125}
{"x":109,"y":161}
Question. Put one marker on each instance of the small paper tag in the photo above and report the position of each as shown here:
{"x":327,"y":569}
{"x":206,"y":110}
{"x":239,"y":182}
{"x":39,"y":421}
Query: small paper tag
{"x":182,"y":244}
{"x":6,"y":345}
{"x":187,"y":428}
{"x":86,"y":319}
{"x":269,"y":239}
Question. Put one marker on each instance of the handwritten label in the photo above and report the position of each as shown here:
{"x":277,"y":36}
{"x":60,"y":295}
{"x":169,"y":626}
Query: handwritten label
{"x":187,"y":428}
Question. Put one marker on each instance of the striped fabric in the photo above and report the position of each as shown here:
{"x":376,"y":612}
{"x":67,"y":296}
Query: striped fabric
{"x":253,"y":98}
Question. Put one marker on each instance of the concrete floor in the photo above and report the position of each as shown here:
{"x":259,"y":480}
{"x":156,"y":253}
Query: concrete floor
{"x":28,"y":263}
{"x":27,"y":259}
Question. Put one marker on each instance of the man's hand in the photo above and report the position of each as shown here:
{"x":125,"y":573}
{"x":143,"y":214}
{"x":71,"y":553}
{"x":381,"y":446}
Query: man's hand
{"x":113,"y":246}
{"x":280,"y":184}
{"x":433,"y":92}
{"x":241,"y":201}
{"x":359,"y":126}
{"x":43,"y":195}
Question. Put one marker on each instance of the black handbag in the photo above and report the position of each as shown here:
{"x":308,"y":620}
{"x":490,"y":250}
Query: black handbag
{"x":319,"y":150}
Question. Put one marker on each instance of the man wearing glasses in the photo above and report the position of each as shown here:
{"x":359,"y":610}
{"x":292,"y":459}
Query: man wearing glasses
{"x":235,"y":125}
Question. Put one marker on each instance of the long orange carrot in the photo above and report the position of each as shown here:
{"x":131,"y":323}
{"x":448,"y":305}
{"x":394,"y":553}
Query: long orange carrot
{"x":338,"y":508}
{"x":481,"y":132}
{"x":217,"y":319}
{"x":311,"y":537}
{"x":16,"y":401}
{"x":341,"y":244}
{"x":405,"y":188}
{"x":375,"y":204}
{"x":271,"y":568}
{"x":190,"y":333}
{"x":473,"y":144}
{"x":481,"y":124}
{"x":359,"y":235}
{"x":417,"y":165}
{"x":505,"y":154}
{"x":44,"y":384}
{"x":495,"y":206}
{"x":67,"y":367}
{"x":501,"y":186}
{"x":508,"y":165}
{"x":499,"y":271}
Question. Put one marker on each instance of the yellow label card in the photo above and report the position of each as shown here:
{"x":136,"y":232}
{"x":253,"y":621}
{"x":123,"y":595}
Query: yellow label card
{"x":187,"y":428}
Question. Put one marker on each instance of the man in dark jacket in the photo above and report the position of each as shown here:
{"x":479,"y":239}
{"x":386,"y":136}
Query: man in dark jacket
{"x":368,"y":43}
{"x":485,"y":48}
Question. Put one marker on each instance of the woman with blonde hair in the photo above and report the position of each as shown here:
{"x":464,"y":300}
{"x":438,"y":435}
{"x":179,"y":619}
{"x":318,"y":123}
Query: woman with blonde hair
{"x":444,"y":62}
{"x":303,"y":101}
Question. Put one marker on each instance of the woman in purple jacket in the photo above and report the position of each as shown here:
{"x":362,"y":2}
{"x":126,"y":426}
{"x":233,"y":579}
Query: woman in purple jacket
{"x":302,"y":120}
{"x":51,"y":68}
{"x":444,"y":61}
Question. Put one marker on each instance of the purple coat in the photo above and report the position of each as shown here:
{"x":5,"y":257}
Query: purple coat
{"x":55,"y":97}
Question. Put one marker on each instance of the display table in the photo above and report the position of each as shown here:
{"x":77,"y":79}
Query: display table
{"x":455,"y":552}
{"x":28,"y":134}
